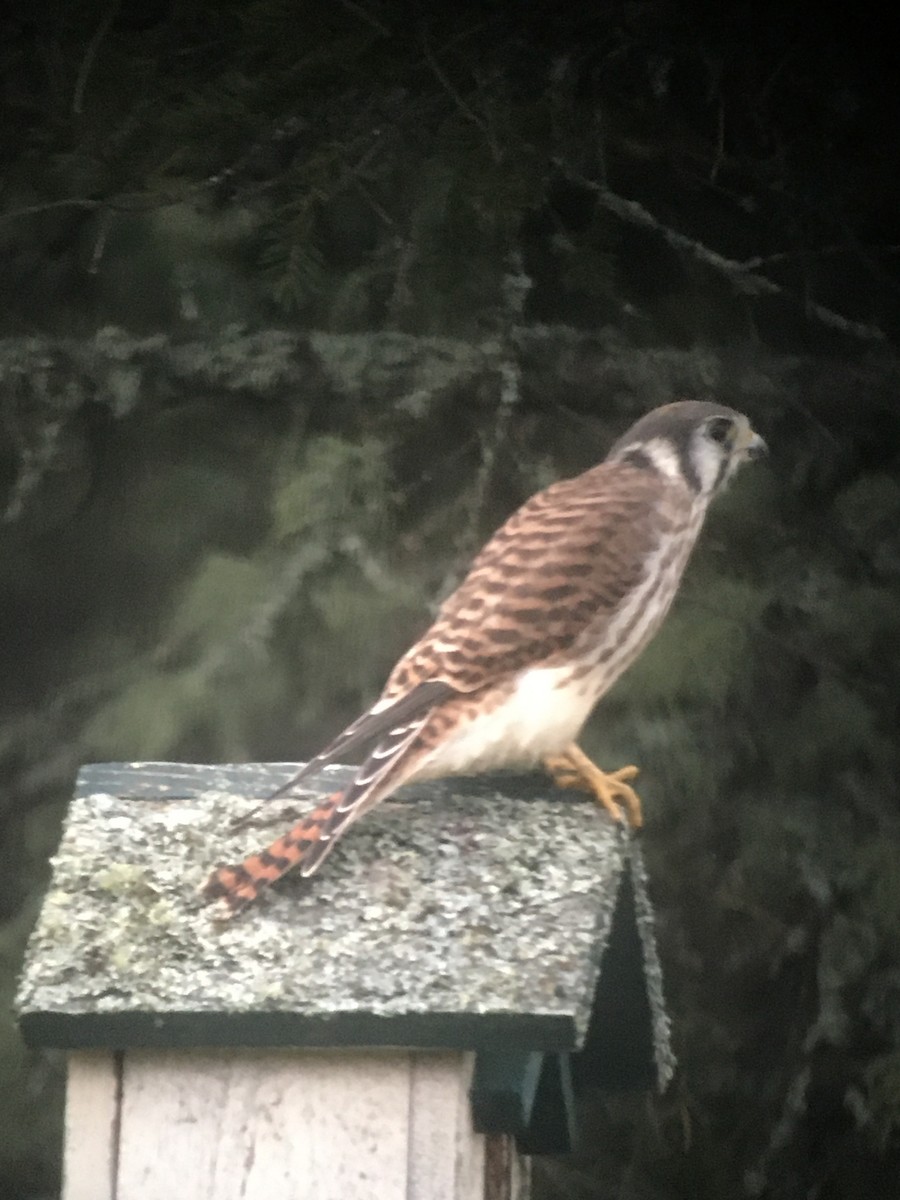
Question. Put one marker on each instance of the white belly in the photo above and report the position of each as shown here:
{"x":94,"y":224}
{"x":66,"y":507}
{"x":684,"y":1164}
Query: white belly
{"x":538,"y":718}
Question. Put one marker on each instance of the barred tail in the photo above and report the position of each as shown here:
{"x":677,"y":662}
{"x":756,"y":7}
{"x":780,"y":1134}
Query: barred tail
{"x":306,"y":846}
{"x":240,"y":885}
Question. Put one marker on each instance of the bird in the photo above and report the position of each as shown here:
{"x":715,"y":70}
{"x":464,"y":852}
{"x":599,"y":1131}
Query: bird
{"x":557,"y":605}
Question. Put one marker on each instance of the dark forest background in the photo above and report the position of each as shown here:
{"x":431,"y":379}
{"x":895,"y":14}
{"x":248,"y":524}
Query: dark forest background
{"x":299,"y":300}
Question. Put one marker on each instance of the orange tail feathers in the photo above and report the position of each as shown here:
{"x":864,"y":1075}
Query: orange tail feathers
{"x":306,"y":844}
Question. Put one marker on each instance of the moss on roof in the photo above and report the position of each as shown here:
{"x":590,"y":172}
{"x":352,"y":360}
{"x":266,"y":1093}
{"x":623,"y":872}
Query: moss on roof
{"x":460,"y":914}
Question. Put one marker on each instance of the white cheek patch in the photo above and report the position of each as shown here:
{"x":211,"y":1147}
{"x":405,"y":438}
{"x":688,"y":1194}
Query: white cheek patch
{"x":707,"y":459}
{"x":664,"y":457}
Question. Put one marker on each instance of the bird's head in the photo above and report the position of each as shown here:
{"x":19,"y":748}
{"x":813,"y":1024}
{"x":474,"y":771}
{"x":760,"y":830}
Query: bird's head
{"x":696,"y":441}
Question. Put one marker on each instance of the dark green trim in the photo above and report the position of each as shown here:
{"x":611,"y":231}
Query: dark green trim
{"x":527,"y":1095}
{"x":552,"y":1128}
{"x":169,"y":780}
{"x":184,"y":780}
{"x":458,"y":1031}
{"x":503,"y":1090}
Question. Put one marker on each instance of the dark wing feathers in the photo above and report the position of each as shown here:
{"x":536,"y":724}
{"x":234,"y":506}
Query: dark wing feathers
{"x":371,"y":725}
{"x":380,"y":762}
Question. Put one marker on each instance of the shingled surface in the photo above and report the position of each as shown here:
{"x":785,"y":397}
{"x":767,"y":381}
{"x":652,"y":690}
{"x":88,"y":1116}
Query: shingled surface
{"x":464,"y":914}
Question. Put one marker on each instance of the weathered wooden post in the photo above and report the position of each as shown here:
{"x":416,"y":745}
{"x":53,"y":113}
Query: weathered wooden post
{"x":396,"y":1029}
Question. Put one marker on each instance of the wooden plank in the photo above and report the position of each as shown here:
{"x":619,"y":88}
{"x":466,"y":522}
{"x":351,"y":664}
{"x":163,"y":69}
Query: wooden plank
{"x":252,"y":1125}
{"x":91,"y":1126}
{"x":507,"y":1174}
{"x":446,"y":1156}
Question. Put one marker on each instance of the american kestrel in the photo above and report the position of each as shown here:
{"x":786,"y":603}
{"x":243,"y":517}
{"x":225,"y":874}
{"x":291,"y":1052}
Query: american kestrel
{"x":557,"y":605}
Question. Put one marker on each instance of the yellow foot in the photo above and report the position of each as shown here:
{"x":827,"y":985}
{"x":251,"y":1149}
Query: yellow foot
{"x":573,"y":769}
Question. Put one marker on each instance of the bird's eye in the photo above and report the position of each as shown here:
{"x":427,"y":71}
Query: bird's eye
{"x":719,"y":429}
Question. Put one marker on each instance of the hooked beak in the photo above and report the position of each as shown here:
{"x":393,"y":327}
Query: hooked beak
{"x":750,"y":444}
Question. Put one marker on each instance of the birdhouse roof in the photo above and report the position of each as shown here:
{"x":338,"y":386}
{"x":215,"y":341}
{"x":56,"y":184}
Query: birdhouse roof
{"x":463,"y":914}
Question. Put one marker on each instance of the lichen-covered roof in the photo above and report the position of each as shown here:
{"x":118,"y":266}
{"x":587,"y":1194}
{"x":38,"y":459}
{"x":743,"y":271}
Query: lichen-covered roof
{"x":460,"y":914}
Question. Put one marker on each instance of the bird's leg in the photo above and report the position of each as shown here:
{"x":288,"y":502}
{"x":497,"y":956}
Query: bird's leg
{"x":573,"y":769}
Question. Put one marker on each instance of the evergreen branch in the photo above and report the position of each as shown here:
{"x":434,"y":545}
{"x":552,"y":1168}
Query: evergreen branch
{"x":90,"y":55}
{"x":739,"y":273}
{"x":134,"y":202}
{"x":465,"y":108}
{"x":365,"y":15}
{"x":515,"y":289}
{"x":31,"y":210}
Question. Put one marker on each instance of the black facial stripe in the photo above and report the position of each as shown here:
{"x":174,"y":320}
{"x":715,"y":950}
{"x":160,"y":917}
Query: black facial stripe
{"x":723,"y":467}
{"x":636,"y":457}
